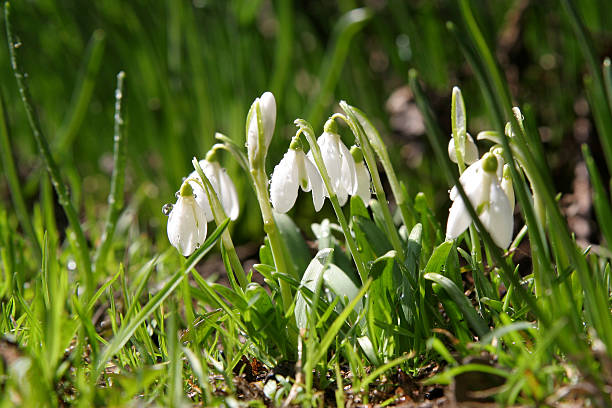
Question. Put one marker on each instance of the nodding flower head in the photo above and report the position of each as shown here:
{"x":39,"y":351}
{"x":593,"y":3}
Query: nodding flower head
{"x":295,"y":170}
{"x":223,"y":186}
{"x":338,"y":161}
{"x":260,"y":128}
{"x":186,"y":222}
{"x":481,"y":183}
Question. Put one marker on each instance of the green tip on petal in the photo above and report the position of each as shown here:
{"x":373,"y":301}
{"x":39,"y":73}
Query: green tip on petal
{"x":186,"y":190}
{"x":357,"y":154}
{"x":331,"y":126}
{"x":296,"y":143}
{"x":489,"y":163}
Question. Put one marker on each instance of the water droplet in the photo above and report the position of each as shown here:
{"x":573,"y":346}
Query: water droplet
{"x":167,"y":208}
{"x":17,"y":44}
{"x":177,"y":194}
{"x":71,"y":265}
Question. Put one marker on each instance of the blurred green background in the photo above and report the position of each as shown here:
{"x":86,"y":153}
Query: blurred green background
{"x":194,"y":67}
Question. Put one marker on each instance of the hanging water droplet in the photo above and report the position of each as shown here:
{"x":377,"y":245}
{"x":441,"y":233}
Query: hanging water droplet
{"x":167,"y":209}
{"x":71,"y":265}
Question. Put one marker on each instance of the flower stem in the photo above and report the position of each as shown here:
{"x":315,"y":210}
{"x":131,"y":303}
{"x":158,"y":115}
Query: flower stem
{"x":260,"y":180}
{"x":356,"y":120}
{"x":307,"y":130}
{"x":219,"y":216}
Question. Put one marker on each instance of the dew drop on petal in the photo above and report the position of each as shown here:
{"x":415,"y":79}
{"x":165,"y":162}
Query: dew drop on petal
{"x":167,"y":208}
{"x":177,"y":194}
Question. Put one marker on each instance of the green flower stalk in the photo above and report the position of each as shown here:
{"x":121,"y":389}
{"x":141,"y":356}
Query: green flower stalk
{"x":219,"y":216}
{"x":259,"y":130}
{"x":370,"y":141}
{"x":306,"y":129}
{"x":460,"y":148}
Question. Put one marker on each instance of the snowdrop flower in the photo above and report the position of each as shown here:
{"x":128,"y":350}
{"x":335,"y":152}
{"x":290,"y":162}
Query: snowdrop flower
{"x":257,"y":149}
{"x":223,"y":186}
{"x":338,"y":161}
{"x":482,"y":186}
{"x":293,"y":171}
{"x":363,"y":176}
{"x":186,"y":222}
{"x":470,"y":151}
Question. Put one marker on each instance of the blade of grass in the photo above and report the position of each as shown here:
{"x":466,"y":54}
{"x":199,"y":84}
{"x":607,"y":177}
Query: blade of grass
{"x":345,"y":29}
{"x":507,"y":273}
{"x":464,"y":304}
{"x":599,"y":103}
{"x":595,"y":300}
{"x":8,"y":163}
{"x":115,"y":196}
{"x":284,"y":46}
{"x":600,"y":197}
{"x":127,"y":330}
{"x":331,"y":333}
{"x":83,"y":91}
{"x":45,"y":152}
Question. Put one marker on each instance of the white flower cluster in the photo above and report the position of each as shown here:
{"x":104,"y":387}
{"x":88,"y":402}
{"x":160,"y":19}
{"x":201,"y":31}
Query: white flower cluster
{"x":297,"y":169}
{"x":492,"y":196}
{"x":486,"y":182}
{"x":188,"y":218}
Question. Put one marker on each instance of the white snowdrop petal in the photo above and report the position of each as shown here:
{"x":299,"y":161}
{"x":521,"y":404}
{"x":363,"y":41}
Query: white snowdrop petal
{"x":200,"y":197}
{"x":330,"y":151}
{"x":348,"y":173}
{"x":497,"y":218}
{"x":300,"y":163}
{"x":230,"y":196}
{"x":471,"y":151}
{"x":342,"y":195}
{"x":452,"y":153}
{"x":469,"y":178}
{"x":284,"y":183}
{"x":315,"y":183}
{"x":458,"y":219}
{"x":363,"y":182}
{"x":500,"y":167}
{"x":186,"y":225}
{"x":267,"y":105}
{"x":506,"y":185}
